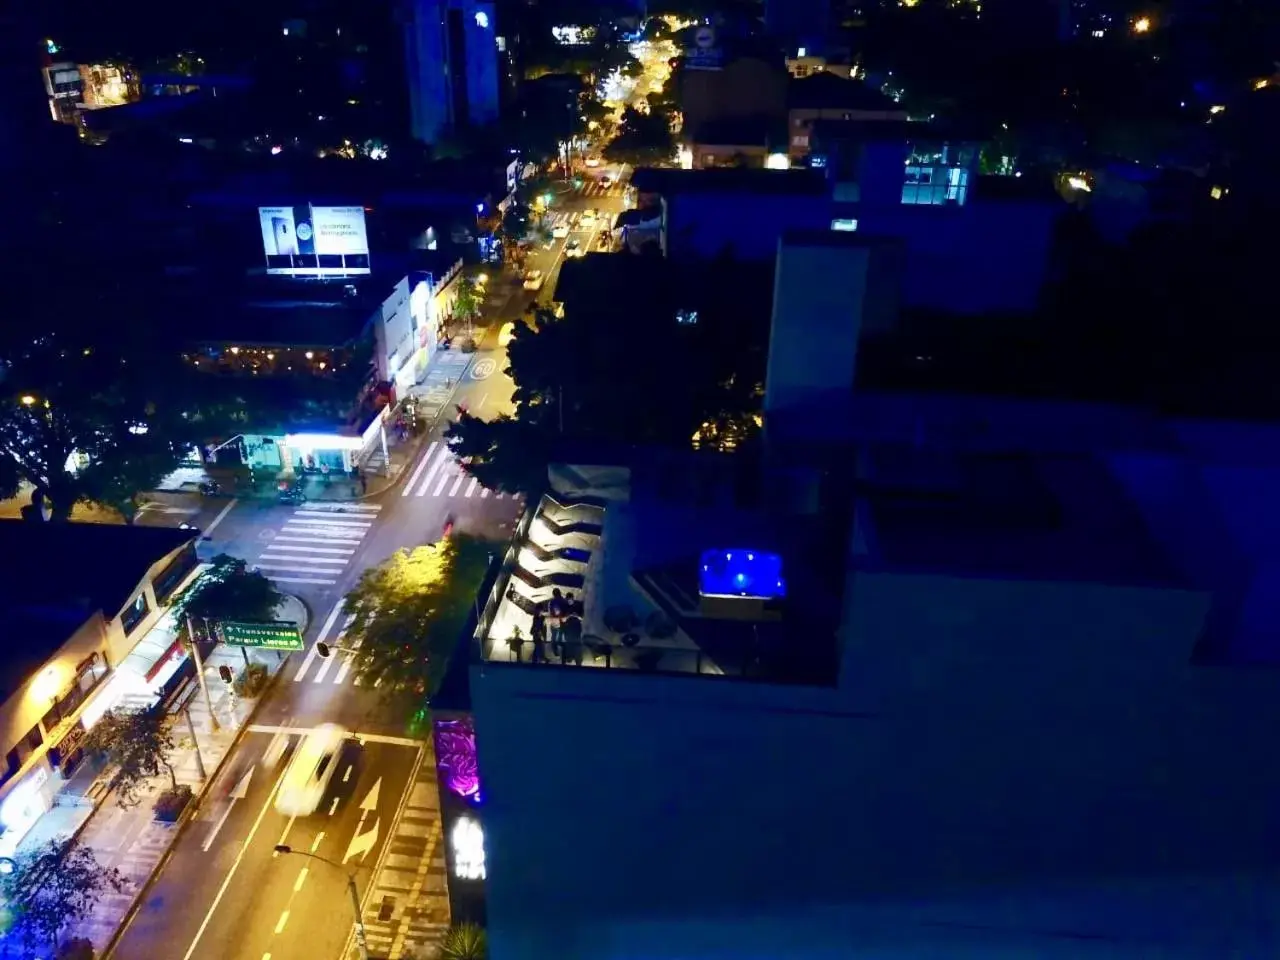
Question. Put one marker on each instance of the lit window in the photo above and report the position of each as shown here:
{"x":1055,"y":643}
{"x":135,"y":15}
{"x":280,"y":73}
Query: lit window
{"x":482,"y":20}
{"x":844,"y":224}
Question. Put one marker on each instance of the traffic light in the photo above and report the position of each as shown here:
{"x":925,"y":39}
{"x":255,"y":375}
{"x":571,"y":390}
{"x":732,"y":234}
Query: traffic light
{"x":224,"y":672}
{"x":322,"y":648}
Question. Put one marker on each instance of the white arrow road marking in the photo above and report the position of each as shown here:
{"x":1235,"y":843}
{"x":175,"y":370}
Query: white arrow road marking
{"x":362,"y":843}
{"x":370,"y":801}
{"x":239,"y":793}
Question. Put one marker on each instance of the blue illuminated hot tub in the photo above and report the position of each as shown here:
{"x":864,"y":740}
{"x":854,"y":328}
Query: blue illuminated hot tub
{"x":741,"y":573}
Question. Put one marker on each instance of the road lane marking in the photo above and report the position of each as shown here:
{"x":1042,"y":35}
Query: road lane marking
{"x":312,"y":653}
{"x":362,"y":843}
{"x":361,"y":738}
{"x":284,"y":918}
{"x":333,"y":807}
{"x":435,"y":468}
{"x":471,"y":487}
{"x":321,"y":506}
{"x":444,"y":478}
{"x":422,"y":465}
{"x":315,"y":844}
{"x":283,"y":836}
{"x":309,"y":524}
{"x":218,"y":519}
{"x":484,"y":492}
{"x":302,"y":878}
{"x":456,"y":484}
{"x":240,"y":791}
{"x":347,"y":776}
{"x":302,"y":580}
{"x":340,"y":561}
{"x":278,"y":547}
{"x":482,"y":402}
{"x":346,"y":662}
{"x":222,"y":890}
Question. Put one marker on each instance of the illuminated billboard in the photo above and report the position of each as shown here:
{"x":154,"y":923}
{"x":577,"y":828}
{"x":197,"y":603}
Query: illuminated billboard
{"x":303,"y":240}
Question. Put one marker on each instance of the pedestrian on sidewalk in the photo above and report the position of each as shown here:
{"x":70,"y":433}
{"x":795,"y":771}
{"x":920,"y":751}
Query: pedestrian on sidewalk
{"x":538,"y":633}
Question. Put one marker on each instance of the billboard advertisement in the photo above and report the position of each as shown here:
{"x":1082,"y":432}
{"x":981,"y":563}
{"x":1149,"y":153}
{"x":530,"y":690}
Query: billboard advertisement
{"x":303,"y":240}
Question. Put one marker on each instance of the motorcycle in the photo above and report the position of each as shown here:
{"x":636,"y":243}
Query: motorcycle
{"x":210,"y":488}
{"x":448,"y":526}
{"x":291,"y":496}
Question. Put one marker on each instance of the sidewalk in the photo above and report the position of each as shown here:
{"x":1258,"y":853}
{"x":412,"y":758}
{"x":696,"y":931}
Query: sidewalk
{"x":131,"y":839}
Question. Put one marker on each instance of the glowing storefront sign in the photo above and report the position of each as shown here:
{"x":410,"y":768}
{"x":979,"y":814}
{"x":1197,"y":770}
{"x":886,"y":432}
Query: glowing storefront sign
{"x":23,"y":807}
{"x":467,"y":839}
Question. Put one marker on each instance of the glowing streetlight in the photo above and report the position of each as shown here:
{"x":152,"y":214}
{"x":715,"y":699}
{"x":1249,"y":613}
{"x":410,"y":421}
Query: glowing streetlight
{"x":28,"y":400}
{"x":1142,"y":25}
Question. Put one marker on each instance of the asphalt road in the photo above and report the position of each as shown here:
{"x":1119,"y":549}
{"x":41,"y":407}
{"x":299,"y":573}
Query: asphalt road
{"x":224,"y":893}
{"x":568,"y":200}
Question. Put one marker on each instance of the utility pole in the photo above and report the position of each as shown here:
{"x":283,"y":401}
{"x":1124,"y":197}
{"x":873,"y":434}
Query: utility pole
{"x":204,"y":685}
{"x":195,"y":743}
{"x":361,"y":939}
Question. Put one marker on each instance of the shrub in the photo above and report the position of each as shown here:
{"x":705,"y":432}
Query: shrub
{"x":171,"y":803}
{"x":250,"y":681}
{"x":468,"y":345}
{"x":77,"y":948}
{"x":465,"y":941}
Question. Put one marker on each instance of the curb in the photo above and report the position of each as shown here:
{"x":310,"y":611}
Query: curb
{"x":350,"y":943}
{"x":188,"y":815}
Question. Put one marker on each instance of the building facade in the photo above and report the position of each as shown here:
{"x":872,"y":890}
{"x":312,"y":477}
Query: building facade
{"x":451,"y":63}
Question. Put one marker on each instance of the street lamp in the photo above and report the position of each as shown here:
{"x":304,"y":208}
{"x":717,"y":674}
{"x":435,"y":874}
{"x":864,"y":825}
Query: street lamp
{"x":28,"y":400}
{"x":361,"y":939}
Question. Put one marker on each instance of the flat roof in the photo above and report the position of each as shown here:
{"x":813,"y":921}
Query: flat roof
{"x":65,"y":572}
{"x":827,"y":91}
{"x":729,"y":180}
{"x":1007,"y":515}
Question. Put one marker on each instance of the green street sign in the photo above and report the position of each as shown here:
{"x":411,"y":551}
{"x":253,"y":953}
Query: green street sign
{"x":270,"y":636}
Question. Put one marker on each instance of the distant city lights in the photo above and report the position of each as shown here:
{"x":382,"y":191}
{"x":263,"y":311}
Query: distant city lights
{"x":1142,"y":25}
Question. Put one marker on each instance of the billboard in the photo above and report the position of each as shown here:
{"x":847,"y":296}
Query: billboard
{"x":705,"y":54}
{"x":303,"y":240}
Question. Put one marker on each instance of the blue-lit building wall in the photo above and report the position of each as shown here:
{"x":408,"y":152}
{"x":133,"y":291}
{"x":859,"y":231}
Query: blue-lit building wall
{"x":451,"y":64}
{"x":1008,"y":768}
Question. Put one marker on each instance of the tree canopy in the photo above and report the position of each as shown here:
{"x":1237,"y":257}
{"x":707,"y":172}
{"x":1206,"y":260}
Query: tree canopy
{"x":86,"y":423}
{"x":229,"y":590}
{"x":624,"y":371}
{"x":137,"y":745}
{"x":52,"y":887}
{"x":408,"y":613}
{"x":643,"y":139}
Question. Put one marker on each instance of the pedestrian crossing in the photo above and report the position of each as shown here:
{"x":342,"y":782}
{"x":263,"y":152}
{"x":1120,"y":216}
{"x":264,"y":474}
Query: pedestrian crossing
{"x":439,"y":474}
{"x":594,"y":188}
{"x":335,"y":668}
{"x":317,"y":542}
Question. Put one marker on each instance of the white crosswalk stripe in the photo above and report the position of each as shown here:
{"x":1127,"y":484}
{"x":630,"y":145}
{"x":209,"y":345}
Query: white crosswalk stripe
{"x":438,"y":474}
{"x":317,"y":542}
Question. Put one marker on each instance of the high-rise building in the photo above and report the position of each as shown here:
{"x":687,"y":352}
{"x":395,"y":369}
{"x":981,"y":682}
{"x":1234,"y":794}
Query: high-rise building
{"x":451,"y":62}
{"x":24,"y":108}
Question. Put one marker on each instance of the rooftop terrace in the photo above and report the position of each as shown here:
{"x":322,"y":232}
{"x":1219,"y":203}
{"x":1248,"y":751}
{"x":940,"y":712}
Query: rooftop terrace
{"x":628,"y":572}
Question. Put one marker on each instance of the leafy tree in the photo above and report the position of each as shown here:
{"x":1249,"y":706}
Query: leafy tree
{"x":52,"y":887}
{"x":61,"y":403}
{"x":643,"y":139}
{"x":504,"y":453}
{"x":229,"y":590}
{"x":409,"y":611}
{"x":466,"y":305}
{"x":137,"y":744}
{"x":464,"y":941}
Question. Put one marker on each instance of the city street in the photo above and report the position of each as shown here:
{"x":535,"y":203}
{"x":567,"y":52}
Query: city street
{"x":239,"y":898}
{"x":570,"y":201}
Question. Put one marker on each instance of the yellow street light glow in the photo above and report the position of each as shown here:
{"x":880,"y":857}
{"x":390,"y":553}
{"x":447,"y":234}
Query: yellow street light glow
{"x":1217,"y":108}
{"x":1261,"y":84}
{"x":1142,"y":25}
{"x":28,"y":400}
{"x":1079,"y":183}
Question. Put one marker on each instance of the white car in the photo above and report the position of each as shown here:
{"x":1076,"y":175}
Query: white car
{"x":593,"y":161}
{"x":561,"y":231}
{"x":309,"y":772}
{"x":533,"y":280}
{"x":588,"y":220}
{"x":574,"y":249}
{"x":506,"y":333}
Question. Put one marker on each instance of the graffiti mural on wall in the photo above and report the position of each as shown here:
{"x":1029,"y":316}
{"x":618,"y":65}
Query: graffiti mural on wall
{"x":456,"y":757}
